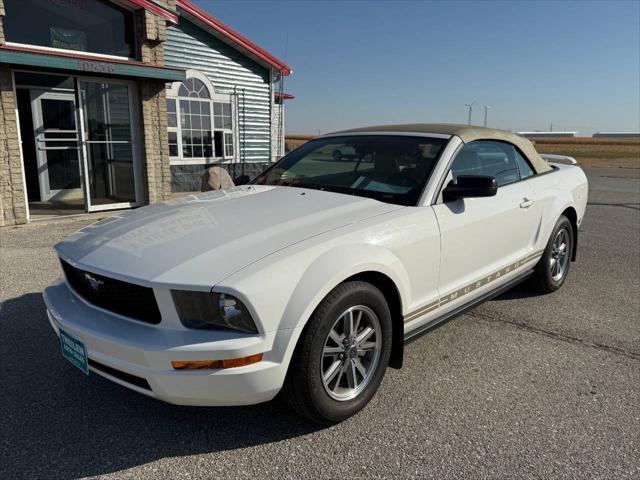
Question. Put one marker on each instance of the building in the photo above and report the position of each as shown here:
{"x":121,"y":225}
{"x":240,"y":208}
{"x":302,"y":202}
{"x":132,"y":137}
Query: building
{"x":616,"y":135}
{"x":111,"y":104}
{"x":550,"y":134}
{"x":239,"y":81}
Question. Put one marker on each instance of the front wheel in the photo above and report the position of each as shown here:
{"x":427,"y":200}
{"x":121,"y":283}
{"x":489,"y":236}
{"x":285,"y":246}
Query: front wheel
{"x":553,"y":268}
{"x":342,"y":354}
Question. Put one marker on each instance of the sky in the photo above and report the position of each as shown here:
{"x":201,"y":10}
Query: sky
{"x":573,"y":64}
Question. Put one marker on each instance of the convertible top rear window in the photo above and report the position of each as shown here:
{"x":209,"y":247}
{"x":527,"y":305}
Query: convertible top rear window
{"x":389,"y":168}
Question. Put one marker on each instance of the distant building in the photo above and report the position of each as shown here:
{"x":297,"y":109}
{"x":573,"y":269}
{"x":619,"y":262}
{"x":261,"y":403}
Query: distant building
{"x":617,"y":134}
{"x":538,"y":134}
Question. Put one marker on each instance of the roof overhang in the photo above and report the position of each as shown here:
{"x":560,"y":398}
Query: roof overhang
{"x":86,"y":64}
{"x":225,"y":33}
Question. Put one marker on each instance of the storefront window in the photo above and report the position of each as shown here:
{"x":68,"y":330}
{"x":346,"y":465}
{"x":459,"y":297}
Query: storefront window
{"x":200,"y":128}
{"x":95,"y":26}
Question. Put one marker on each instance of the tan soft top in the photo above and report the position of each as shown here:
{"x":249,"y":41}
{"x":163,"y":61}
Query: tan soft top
{"x":467,"y":133}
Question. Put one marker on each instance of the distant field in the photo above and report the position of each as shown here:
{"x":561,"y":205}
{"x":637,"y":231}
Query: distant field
{"x":294,"y":141}
{"x":589,"y":152}
{"x":595,"y":152}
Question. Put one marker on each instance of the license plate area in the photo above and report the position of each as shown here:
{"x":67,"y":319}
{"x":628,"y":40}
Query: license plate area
{"x":75,"y":351}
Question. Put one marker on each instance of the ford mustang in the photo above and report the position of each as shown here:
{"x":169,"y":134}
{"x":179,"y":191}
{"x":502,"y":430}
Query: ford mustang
{"x":308,"y":281}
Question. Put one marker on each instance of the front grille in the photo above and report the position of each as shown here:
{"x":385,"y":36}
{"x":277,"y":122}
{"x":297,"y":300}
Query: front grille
{"x":120,"y":297}
{"x":125,"y":377}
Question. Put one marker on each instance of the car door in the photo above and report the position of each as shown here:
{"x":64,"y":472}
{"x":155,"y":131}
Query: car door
{"x":485,"y":239}
{"x":57,"y":139}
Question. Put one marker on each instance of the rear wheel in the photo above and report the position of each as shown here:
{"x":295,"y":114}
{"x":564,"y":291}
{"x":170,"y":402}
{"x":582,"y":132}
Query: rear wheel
{"x":342,"y":354}
{"x":553,"y":268}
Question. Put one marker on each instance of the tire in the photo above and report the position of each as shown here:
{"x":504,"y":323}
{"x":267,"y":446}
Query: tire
{"x":337,"y":155}
{"x":553,"y":268}
{"x":314,"y":360}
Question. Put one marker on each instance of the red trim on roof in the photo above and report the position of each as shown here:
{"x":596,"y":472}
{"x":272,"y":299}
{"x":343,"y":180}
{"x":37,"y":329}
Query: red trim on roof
{"x":284,"y":96}
{"x":234,"y":36}
{"x":157,"y":9}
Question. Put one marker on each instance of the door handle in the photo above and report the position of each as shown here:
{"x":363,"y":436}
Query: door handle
{"x":526,"y":203}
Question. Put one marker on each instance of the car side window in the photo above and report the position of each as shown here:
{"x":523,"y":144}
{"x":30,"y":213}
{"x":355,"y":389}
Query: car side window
{"x":490,"y":158}
{"x":524,"y":166}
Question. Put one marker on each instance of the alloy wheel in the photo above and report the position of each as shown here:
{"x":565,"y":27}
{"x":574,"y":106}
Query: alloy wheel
{"x":351,"y":353}
{"x":559,"y":255}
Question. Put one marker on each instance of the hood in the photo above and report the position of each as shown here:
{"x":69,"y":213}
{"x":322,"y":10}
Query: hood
{"x":198,"y":240}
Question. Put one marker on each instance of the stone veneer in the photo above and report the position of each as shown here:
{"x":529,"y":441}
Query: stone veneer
{"x":152,"y":32}
{"x":12,"y":194}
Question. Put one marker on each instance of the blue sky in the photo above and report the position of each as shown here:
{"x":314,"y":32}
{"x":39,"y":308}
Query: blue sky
{"x":355,"y":63}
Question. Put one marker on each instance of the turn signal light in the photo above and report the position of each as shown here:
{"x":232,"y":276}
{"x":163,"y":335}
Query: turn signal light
{"x":216,"y":364}
{"x":242,"y":362}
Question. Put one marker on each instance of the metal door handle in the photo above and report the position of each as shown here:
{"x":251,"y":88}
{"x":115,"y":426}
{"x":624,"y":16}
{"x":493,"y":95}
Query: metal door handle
{"x":526,"y":203}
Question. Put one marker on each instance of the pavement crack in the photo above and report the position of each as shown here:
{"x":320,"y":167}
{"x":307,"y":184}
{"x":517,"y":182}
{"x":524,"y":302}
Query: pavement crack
{"x":557,"y":336}
{"x":622,"y":205}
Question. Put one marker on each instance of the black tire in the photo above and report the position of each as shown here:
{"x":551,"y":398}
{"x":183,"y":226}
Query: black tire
{"x":337,"y":155}
{"x":545,"y":278}
{"x":304,"y":390}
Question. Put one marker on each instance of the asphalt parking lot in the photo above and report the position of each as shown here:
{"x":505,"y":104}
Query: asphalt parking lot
{"x":524,"y":386}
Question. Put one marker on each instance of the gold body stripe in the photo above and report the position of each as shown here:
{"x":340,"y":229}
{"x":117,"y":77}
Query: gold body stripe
{"x":461,"y":292}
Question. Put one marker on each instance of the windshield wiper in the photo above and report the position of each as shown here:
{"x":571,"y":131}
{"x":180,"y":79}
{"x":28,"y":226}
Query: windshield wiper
{"x":313,"y":186}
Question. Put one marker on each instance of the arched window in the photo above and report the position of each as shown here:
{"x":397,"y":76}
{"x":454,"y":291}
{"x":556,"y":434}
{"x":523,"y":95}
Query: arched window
{"x":192,"y":87}
{"x":200,"y":121}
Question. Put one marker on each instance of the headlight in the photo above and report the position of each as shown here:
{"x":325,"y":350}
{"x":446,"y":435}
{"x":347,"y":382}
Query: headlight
{"x":206,"y":310}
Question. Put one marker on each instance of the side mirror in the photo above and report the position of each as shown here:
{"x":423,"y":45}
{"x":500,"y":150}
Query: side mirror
{"x":470,"y":186}
{"x":241,"y":180}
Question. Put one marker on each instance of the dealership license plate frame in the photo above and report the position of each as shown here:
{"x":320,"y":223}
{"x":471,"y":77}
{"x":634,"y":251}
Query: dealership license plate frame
{"x":75,"y":351}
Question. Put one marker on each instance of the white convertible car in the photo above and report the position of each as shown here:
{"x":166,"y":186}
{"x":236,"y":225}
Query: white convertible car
{"x":309,"y":280}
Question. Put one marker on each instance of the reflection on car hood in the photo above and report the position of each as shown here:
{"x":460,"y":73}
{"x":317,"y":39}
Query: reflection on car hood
{"x":198,"y":240}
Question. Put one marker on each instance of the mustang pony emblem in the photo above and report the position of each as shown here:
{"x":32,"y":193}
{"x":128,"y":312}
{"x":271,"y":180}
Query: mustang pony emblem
{"x":94,"y":282}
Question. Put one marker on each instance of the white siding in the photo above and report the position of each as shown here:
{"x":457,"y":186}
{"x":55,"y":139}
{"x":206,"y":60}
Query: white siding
{"x":188,"y":46}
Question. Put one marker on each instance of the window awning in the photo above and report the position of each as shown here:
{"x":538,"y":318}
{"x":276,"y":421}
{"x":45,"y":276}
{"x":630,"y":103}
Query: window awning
{"x":87,"y":64}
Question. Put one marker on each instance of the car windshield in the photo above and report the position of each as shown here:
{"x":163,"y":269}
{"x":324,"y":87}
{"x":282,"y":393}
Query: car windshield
{"x":389,"y":168}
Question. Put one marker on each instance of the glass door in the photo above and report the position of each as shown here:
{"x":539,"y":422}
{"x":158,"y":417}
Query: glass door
{"x":111,"y":169}
{"x":57,"y":146}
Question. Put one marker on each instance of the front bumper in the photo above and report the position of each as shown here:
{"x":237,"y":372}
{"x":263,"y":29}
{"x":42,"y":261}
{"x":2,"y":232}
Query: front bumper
{"x":139,"y":356}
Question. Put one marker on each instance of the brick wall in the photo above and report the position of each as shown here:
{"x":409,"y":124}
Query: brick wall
{"x":156,"y":169}
{"x":12,"y":195}
{"x":1,"y":18}
{"x":152,"y":32}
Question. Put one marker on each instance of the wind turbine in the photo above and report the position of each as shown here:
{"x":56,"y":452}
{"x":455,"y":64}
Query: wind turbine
{"x":486,"y":108}
{"x":470,"y":106}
